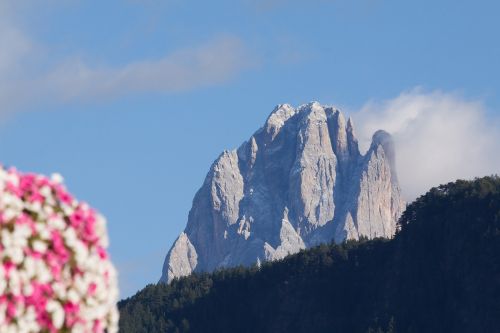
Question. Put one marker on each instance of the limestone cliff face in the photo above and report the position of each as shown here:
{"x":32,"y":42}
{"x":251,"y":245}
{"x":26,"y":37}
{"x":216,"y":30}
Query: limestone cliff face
{"x":299,"y":181}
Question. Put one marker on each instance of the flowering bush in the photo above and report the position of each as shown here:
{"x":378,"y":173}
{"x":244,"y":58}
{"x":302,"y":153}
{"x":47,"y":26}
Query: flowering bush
{"x":55,"y":275}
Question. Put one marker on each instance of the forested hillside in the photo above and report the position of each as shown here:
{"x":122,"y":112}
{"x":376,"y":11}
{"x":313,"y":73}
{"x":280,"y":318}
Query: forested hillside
{"x":440,"y":273}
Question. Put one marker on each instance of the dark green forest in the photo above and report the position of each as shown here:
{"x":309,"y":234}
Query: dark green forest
{"x":440,"y":273}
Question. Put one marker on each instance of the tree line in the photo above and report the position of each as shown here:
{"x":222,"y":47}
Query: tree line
{"x":440,"y":273}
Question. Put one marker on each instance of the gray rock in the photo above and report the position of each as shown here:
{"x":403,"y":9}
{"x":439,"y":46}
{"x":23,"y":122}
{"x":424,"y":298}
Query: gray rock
{"x":299,"y":181}
{"x":181,"y":260}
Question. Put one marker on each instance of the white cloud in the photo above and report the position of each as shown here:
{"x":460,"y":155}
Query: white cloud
{"x":439,"y":137}
{"x":27,"y":78}
{"x":13,"y":46}
{"x":211,"y":63}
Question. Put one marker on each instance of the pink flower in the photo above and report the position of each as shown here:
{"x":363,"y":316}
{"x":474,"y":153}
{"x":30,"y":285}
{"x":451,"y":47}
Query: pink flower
{"x":36,"y":197}
{"x":8,"y":266}
{"x":13,"y":189}
{"x":62,"y":195}
{"x":71,"y":313}
{"x":77,"y":218}
{"x":97,"y":327}
{"x":102,"y":252}
{"x":92,"y":288}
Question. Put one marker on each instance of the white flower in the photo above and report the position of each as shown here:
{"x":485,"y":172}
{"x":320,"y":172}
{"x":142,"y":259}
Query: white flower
{"x":79,"y":328}
{"x":13,"y":179}
{"x":6,"y":239}
{"x":16,"y":255}
{"x":55,"y":308}
{"x":39,"y":246}
{"x":45,"y":191}
{"x":9,"y":214}
{"x":27,"y":289}
{"x":60,"y":290}
{"x":81,"y":285}
{"x":67,"y":210}
{"x":43,"y":274}
{"x":33,"y":206}
{"x":3,"y":285}
{"x":73,"y":296}
{"x":14,"y":282}
{"x":43,"y":232}
{"x":29,"y":267}
{"x":57,"y":223}
{"x":57,"y":178}
{"x":3,"y":311}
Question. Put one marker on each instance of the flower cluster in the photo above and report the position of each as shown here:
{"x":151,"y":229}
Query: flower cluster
{"x":55,"y":274}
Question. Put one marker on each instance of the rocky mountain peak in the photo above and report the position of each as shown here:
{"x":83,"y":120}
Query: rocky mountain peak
{"x":278,"y":117}
{"x":299,"y":181}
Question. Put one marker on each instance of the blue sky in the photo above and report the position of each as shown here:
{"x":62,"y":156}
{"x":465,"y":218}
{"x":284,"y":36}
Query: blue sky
{"x":132,"y":100}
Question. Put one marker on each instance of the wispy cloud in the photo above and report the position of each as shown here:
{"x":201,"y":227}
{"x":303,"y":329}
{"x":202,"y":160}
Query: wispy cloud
{"x":27,"y":79}
{"x":214,"y":62}
{"x":439,"y":137}
{"x":13,"y":46}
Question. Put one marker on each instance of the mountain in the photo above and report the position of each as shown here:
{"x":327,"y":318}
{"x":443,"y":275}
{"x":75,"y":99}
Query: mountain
{"x":299,"y":181}
{"x":440,"y":273}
